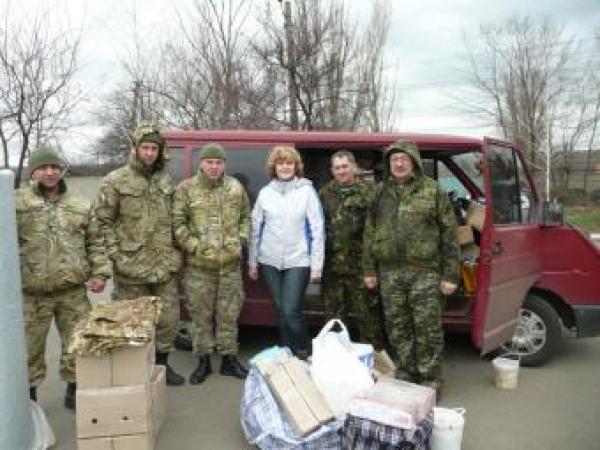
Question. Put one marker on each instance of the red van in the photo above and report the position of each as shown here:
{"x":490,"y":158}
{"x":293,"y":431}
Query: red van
{"x":529,"y":279}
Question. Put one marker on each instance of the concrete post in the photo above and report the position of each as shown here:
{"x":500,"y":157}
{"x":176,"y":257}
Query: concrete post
{"x":16,"y":427}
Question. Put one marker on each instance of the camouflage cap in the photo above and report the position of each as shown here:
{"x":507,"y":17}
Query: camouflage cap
{"x":44,"y":157}
{"x":212,"y":150}
{"x":147,"y":132}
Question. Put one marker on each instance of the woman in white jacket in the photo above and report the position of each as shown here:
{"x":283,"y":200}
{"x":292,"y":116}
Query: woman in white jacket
{"x":287,"y":242}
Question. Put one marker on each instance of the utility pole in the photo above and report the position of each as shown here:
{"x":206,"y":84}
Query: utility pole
{"x":291,"y":63}
{"x":136,"y":99}
{"x":16,"y":426}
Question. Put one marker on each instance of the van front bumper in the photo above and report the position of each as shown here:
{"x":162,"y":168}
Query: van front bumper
{"x":587,"y":319}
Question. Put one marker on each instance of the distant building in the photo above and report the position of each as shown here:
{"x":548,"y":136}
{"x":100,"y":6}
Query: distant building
{"x":570,"y":169}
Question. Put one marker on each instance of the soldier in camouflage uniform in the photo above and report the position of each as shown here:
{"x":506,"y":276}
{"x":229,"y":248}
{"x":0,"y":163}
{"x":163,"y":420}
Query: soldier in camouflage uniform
{"x":60,"y":251}
{"x":345,"y":202}
{"x":410,"y":249}
{"x":134,"y":213}
{"x":211,"y":219}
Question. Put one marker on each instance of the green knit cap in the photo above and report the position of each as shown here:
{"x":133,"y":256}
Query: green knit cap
{"x":212,"y":150}
{"x":43,"y":157}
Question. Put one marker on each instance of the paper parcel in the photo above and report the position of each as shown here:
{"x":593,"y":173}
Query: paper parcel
{"x":297,"y":395}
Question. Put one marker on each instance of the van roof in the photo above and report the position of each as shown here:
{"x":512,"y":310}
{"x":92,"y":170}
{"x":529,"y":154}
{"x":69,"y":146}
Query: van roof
{"x":315,"y":139}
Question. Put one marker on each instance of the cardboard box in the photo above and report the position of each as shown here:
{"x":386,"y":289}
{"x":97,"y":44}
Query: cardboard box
{"x":142,"y":441}
{"x":476,"y":216}
{"x":122,"y":366}
{"x":464,"y":235}
{"x":114,"y":411}
{"x":159,"y":397}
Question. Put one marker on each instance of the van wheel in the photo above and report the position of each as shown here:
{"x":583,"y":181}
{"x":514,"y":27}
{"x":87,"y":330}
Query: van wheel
{"x":538,"y":332}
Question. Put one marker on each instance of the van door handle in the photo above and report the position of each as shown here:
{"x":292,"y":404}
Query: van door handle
{"x":497,"y":248}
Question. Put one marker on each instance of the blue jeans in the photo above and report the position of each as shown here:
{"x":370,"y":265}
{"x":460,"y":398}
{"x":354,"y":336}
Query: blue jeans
{"x":287,"y":287}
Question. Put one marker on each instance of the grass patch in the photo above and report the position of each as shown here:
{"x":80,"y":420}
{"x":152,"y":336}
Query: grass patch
{"x":585,"y":217}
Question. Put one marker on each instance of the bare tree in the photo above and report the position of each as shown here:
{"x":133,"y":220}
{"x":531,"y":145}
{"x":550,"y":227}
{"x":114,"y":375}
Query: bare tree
{"x":132,"y":100}
{"x":574,"y":122}
{"x":335,"y":69}
{"x":594,"y":81}
{"x":37,"y":94}
{"x":205,"y":79}
{"x":517,"y":70}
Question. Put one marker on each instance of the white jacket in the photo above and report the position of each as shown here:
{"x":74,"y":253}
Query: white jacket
{"x":287,"y":226}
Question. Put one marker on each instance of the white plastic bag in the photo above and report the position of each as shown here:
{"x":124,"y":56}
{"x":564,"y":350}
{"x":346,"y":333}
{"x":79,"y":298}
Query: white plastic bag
{"x":336,"y":369}
{"x":43,"y":437}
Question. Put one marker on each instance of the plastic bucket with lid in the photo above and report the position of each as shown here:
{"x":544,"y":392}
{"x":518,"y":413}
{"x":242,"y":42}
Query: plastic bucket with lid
{"x":448,"y":424}
{"x":506,"y":370}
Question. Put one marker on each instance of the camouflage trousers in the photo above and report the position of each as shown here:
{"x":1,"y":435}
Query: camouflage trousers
{"x":346,"y":297}
{"x":413,"y":317}
{"x":168,"y":322}
{"x":67,"y":307}
{"x":215,"y":301}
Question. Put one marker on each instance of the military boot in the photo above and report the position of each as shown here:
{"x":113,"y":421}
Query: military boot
{"x":33,"y":393}
{"x":202,"y":370}
{"x":172,"y":377}
{"x":70,"y":396}
{"x":231,"y":366}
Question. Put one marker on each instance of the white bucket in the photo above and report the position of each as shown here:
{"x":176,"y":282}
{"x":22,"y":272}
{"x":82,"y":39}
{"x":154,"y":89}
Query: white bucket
{"x":506,"y":369}
{"x":448,"y":424}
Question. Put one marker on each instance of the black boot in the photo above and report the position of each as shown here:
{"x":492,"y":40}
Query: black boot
{"x":232,"y":367}
{"x":172,"y":377}
{"x":33,"y":393}
{"x":202,"y":370}
{"x":70,"y":396}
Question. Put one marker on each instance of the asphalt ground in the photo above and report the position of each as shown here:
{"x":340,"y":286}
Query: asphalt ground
{"x":553,"y":407}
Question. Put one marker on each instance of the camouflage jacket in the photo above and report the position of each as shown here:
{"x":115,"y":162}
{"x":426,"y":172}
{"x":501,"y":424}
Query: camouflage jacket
{"x":345,"y":212}
{"x":211,"y":221}
{"x":134,"y":213}
{"x":60,"y":246}
{"x":411,"y":224}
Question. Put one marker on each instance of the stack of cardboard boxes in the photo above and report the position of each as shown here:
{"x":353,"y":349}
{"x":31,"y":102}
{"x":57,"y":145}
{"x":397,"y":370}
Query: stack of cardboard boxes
{"x":121,"y":399}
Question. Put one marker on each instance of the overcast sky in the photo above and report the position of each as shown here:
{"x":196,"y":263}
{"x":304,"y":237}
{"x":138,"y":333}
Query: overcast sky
{"x":424,"y":46}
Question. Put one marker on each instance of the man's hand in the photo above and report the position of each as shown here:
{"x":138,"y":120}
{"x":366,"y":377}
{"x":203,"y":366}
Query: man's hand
{"x":96,"y":284}
{"x":447,"y":288}
{"x":370,"y":282}
{"x":253,"y":273}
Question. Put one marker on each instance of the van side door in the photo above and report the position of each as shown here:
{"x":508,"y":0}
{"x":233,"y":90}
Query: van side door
{"x":510,"y":256}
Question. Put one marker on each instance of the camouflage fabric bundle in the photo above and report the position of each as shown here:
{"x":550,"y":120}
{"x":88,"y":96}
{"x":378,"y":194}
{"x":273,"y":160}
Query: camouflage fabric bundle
{"x":109,"y":325}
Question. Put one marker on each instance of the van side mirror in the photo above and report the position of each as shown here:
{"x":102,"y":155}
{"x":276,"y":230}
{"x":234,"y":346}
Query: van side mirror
{"x":552,"y":214}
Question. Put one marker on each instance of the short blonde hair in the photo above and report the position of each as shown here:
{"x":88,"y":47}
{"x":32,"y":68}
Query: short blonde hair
{"x":281,"y":153}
